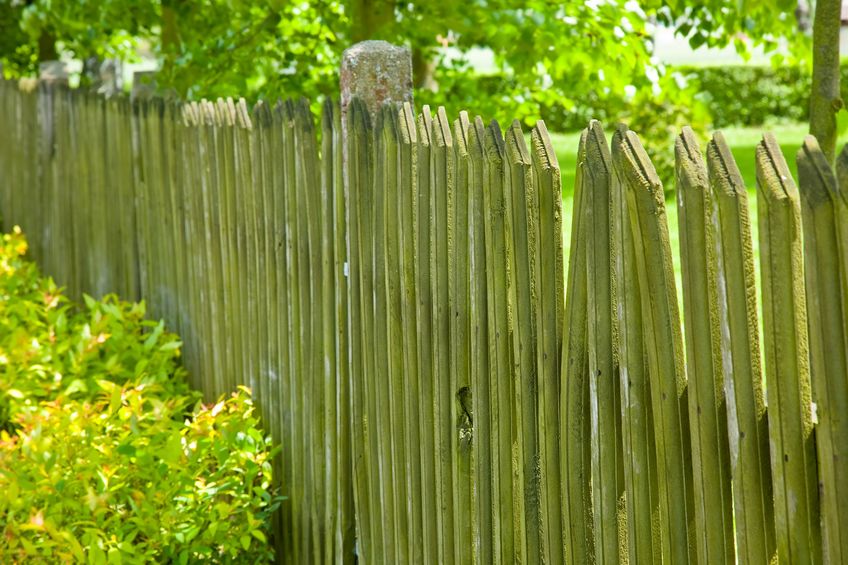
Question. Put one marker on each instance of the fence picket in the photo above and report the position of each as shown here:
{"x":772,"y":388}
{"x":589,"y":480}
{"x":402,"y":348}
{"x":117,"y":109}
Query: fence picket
{"x":787,"y":359}
{"x":442,"y":189}
{"x":664,"y":345}
{"x":364,"y":466}
{"x":461,"y":409}
{"x":549,"y":319}
{"x":395,"y":299}
{"x":707,"y":407}
{"x":424,"y":219}
{"x":481,"y":406}
{"x":746,"y":409}
{"x":575,"y":439}
{"x":522,"y":234}
{"x":389,"y":425}
{"x":607,"y":471}
{"x":499,"y":354}
{"x":638,"y":440}
{"x":411,"y":383}
{"x":828,"y":365}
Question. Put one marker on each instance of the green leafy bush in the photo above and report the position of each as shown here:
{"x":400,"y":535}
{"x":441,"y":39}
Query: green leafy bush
{"x":106,"y":454}
{"x":743,"y":95}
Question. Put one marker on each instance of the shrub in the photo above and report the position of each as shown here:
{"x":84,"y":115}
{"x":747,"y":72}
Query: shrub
{"x":106,"y":454}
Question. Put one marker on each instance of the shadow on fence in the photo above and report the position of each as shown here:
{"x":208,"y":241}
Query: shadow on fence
{"x":440,"y":394}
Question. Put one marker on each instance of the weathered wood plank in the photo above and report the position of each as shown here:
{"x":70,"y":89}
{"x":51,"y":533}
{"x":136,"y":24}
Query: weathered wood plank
{"x":364,"y":464}
{"x":522,"y":232}
{"x":296,"y":374}
{"x":310,"y":273}
{"x":746,"y":409}
{"x":787,"y":359}
{"x":282,"y":316}
{"x":549,"y":320}
{"x":661,"y":319}
{"x":707,"y":406}
{"x":389,"y":405}
{"x":461,"y":408}
{"x":604,"y":405}
{"x":638,"y":442}
{"x":823,"y":271}
{"x":442,"y":187}
{"x":424,"y":220}
{"x":481,"y":399}
{"x":503,"y":489}
{"x":340,"y":507}
{"x":574,"y":436}
{"x":407,"y":223}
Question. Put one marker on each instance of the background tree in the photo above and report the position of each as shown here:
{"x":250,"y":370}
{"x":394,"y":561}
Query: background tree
{"x":33,"y":31}
{"x":584,"y":58}
{"x":825,"y":100}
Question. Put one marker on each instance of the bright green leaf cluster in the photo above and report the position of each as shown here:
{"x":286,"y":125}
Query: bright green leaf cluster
{"x":106,"y":454}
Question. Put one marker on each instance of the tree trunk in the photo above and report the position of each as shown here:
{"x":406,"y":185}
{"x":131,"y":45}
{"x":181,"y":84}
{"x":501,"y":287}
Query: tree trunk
{"x":422,"y":68}
{"x":825,"y":101}
{"x":170,"y":36}
{"x":47,"y":47}
{"x":369,"y":17}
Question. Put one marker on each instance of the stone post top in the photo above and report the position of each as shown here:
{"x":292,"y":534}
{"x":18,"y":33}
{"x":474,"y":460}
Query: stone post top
{"x":373,"y":46}
{"x":53,"y":71}
{"x":376,"y":72}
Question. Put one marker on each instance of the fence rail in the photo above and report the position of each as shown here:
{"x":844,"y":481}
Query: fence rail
{"x":396,"y":299}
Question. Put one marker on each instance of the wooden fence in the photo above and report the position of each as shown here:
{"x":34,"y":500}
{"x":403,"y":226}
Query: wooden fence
{"x":440,"y":394}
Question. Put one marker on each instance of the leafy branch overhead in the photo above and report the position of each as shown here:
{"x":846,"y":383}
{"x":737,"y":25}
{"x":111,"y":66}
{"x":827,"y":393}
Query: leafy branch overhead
{"x":548,"y":53}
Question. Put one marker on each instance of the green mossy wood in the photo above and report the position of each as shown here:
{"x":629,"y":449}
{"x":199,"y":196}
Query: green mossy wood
{"x":393,"y":292}
{"x":664,"y":346}
{"x":707,"y":406}
{"x":787,"y":365}
{"x":823,"y":215}
{"x":746,"y":408}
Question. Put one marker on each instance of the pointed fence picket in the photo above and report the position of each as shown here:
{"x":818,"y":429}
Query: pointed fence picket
{"x":443,"y":387}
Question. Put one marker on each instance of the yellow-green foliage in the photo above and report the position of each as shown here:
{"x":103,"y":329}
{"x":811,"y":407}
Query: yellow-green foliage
{"x":106,"y":454}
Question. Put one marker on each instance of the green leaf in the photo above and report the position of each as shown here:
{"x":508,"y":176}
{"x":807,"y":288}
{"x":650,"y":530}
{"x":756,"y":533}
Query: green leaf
{"x":115,"y":401}
{"x":171,"y":345}
{"x":172,"y":450}
{"x":126,"y":449}
{"x":154,"y":336}
{"x":245,"y":542}
{"x":96,"y":556}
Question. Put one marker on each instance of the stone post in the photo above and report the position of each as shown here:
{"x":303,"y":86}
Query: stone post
{"x":53,"y":72}
{"x":376,"y":72}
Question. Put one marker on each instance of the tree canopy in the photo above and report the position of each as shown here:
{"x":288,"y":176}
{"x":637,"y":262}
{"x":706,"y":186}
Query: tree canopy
{"x":548,"y":54}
